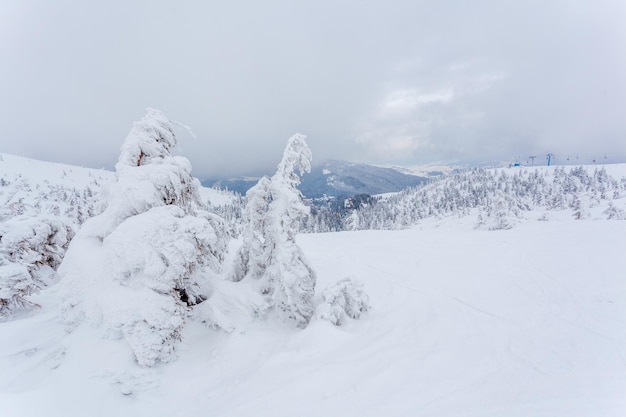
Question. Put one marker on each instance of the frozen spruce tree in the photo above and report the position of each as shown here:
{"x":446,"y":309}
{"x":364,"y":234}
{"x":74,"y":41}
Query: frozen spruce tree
{"x":614,"y":213}
{"x":289,"y":280}
{"x":353,"y":221}
{"x":269,"y":252}
{"x":250,"y":259}
{"x":135,"y":269}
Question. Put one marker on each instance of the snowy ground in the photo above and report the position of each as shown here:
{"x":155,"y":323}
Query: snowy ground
{"x":524,"y":322}
{"x":38,"y":172}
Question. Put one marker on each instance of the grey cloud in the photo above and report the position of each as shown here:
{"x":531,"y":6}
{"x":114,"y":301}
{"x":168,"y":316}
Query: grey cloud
{"x":479,"y":80}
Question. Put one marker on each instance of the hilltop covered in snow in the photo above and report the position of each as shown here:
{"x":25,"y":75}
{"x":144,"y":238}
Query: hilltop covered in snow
{"x":33,"y":186}
{"x":494,"y":198}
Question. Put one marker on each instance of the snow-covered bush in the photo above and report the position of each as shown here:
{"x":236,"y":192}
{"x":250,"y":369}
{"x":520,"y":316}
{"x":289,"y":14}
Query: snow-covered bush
{"x":35,"y":241}
{"x":614,"y":213}
{"x":345,"y":298}
{"x":273,"y":213}
{"x":544,"y":217}
{"x":135,"y":268}
{"x":15,"y":285}
{"x":31,"y":249}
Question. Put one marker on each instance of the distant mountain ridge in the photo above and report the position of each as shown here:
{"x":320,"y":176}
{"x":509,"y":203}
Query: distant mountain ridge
{"x":429,"y":170}
{"x":336,"y":178}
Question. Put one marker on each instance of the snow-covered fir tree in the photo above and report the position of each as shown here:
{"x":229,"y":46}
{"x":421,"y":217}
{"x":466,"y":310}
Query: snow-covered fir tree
{"x":353,"y":221}
{"x":614,"y":213}
{"x":251,"y":257}
{"x":269,"y":253}
{"x":135,"y":269}
{"x":289,"y":279}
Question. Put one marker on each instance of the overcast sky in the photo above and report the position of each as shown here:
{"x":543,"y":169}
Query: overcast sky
{"x":393,"y":81}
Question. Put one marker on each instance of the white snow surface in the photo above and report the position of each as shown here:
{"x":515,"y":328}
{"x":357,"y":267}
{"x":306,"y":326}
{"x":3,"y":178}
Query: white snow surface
{"x":51,"y":172}
{"x":463,"y":322}
{"x":460,"y":322}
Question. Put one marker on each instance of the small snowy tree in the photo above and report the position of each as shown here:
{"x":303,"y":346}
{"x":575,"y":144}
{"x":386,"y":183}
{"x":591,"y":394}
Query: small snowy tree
{"x":345,"y":298}
{"x":352,"y":222}
{"x":135,"y":268}
{"x":614,"y":213}
{"x":250,"y":259}
{"x":580,"y":213}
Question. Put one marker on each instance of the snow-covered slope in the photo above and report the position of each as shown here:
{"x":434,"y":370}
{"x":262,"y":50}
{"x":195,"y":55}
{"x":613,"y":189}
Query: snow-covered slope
{"x":463,"y":322}
{"x":528,"y":321}
{"x":37,"y":172}
{"x":34,"y":186}
{"x":29,"y":186}
{"x":502,"y":198}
